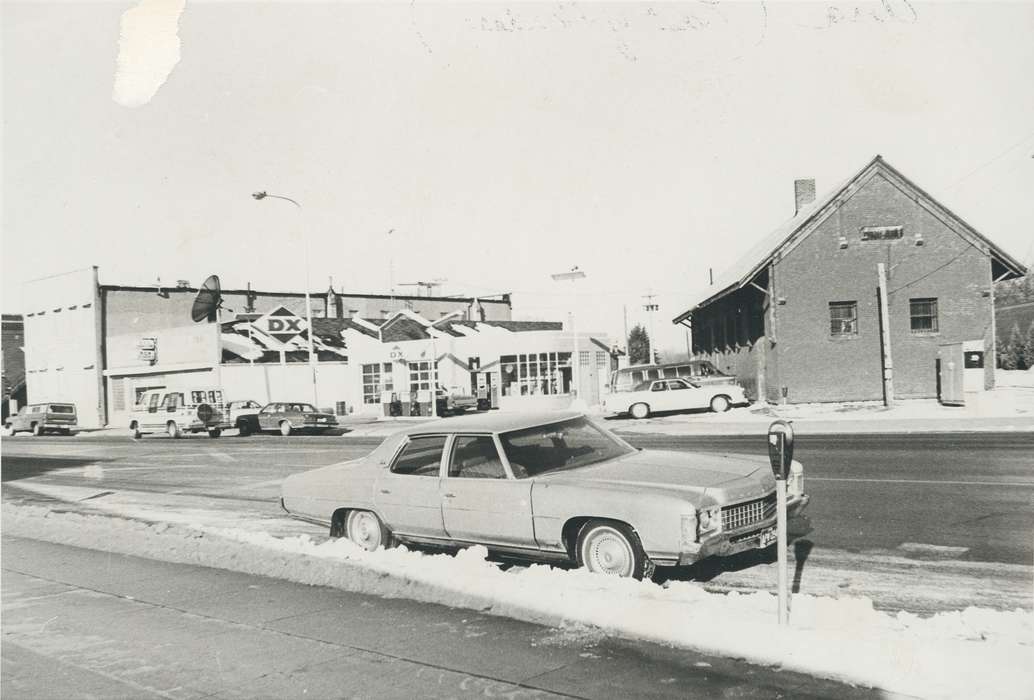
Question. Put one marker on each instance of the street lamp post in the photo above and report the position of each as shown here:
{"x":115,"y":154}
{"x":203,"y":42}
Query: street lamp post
{"x":308,"y":299}
{"x":576,"y":375}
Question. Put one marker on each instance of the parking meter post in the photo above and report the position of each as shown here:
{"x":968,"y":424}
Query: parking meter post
{"x":781,"y":547}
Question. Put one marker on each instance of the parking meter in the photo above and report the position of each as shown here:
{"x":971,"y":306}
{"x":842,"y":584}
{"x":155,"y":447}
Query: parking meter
{"x":780,"y":448}
{"x":780,"y":455}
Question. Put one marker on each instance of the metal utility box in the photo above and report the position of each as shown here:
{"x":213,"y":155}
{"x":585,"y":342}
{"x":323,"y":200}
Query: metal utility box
{"x":960,"y":372}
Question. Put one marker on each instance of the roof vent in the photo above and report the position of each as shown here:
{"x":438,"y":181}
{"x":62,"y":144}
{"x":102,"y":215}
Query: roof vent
{"x":919,"y":238}
{"x":843,"y":242}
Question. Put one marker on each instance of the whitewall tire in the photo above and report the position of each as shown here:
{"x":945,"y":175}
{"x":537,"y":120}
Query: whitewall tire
{"x":639,"y":411}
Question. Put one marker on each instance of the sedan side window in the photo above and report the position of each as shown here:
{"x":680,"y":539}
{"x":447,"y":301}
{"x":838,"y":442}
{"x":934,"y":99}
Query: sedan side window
{"x":422,"y":456}
{"x":659,"y":386}
{"x":475,"y":457}
{"x":674,"y":384}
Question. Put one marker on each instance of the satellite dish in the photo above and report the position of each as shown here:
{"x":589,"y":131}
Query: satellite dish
{"x":207,"y":301}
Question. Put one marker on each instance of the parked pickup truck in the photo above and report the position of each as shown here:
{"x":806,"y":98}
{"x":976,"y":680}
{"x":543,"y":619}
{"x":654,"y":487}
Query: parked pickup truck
{"x":40,"y":418}
{"x":454,"y":401}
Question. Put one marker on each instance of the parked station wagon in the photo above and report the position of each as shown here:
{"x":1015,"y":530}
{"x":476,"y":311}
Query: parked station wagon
{"x":549,"y":486}
{"x":40,"y":418}
{"x":678,"y":394}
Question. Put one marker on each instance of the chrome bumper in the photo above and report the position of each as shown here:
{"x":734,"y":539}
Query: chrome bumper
{"x":723,"y":544}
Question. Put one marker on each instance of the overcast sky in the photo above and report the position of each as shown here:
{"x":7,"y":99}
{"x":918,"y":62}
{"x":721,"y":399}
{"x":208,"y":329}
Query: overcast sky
{"x":644,"y":142}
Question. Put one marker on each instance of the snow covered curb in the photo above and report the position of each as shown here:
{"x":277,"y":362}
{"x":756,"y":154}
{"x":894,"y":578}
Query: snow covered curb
{"x":971,"y":653}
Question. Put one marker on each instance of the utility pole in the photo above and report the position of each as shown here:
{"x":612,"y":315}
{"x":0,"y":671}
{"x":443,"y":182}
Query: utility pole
{"x":624,"y":312}
{"x":573,"y":275}
{"x":308,"y":298}
{"x":650,"y":307}
{"x":888,"y":363}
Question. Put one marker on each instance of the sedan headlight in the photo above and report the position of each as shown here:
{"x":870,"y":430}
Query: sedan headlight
{"x":709,"y":519}
{"x":689,"y":529}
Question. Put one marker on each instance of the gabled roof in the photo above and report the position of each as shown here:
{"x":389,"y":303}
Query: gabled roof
{"x":794,"y":230}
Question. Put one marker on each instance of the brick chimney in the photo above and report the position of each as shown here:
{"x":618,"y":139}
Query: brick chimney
{"x":804,"y":194}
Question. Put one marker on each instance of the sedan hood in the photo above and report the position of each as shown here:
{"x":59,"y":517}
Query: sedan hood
{"x":692,"y":471}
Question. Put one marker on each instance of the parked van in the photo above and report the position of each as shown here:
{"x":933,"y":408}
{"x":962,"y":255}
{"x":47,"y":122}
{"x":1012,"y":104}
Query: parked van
{"x":40,"y":418}
{"x":698,"y":371}
{"x":175,"y":412}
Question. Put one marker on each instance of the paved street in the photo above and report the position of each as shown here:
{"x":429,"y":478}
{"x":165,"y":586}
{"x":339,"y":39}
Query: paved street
{"x":921,"y":523}
{"x":81,"y":623}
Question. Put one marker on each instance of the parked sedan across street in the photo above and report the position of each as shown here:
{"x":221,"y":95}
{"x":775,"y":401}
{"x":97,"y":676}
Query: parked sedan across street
{"x":546,"y":486}
{"x":286,"y":418}
{"x":675,"y":394}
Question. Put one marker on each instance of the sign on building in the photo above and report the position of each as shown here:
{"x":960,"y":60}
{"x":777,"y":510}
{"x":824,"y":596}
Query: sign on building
{"x":281,"y":324}
{"x":147,"y":350}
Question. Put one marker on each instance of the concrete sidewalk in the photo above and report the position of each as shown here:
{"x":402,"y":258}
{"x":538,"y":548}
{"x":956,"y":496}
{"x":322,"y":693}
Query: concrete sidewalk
{"x":81,"y":623}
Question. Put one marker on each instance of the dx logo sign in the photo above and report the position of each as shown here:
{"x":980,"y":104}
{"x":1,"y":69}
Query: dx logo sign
{"x":281,"y":324}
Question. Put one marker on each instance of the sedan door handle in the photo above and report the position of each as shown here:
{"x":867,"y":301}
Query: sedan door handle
{"x":449,"y":495}
{"x":385,"y":491}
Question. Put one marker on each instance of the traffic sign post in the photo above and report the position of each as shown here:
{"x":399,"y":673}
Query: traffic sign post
{"x":780,"y":455}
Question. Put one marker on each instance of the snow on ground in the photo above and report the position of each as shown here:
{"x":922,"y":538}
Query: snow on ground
{"x":1014,"y":378}
{"x":971,"y":653}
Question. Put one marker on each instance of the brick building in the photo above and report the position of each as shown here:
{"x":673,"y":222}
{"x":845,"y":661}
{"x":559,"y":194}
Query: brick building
{"x":799,"y":318}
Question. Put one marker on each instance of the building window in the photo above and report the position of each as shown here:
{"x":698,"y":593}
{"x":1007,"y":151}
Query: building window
{"x":419,"y":376}
{"x":843,"y":318}
{"x":376,"y":379}
{"x":583,"y":357}
{"x":881,"y":233}
{"x":601,"y":358}
{"x":923,"y":313}
{"x":540,"y":373}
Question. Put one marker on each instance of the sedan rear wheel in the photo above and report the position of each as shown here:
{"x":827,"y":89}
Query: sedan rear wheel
{"x":285,"y":428}
{"x":366,"y":530}
{"x":172,"y":429}
{"x":639,"y":410}
{"x":720,"y":404}
{"x":606,"y":547}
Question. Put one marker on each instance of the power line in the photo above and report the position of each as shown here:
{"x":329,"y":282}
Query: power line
{"x":993,"y":160}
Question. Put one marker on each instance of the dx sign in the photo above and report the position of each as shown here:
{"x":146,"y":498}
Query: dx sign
{"x":281,"y":324}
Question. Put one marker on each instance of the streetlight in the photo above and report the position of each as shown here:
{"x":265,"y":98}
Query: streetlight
{"x":573,"y":274}
{"x":308,"y":300}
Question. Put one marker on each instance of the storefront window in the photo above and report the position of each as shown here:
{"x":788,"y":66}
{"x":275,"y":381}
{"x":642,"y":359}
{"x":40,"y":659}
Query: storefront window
{"x":376,"y":379}
{"x":420,"y":376}
{"x":535,"y":374}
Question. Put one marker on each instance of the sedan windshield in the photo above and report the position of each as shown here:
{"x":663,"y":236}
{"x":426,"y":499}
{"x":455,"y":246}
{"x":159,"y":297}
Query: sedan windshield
{"x":552,"y":447}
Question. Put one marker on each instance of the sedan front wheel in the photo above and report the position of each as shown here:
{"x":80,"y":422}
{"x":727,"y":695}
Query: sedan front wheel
{"x":612,"y":548}
{"x":285,"y":428}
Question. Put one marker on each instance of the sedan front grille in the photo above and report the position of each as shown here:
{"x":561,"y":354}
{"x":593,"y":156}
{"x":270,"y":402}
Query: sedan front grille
{"x":748,"y":513}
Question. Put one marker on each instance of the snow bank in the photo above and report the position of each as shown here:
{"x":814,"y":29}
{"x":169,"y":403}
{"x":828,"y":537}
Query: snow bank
{"x":972,"y":653}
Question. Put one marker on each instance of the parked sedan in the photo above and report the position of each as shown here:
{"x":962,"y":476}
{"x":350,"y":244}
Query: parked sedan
{"x":673,"y":394}
{"x":286,"y":418}
{"x":550,"y":486}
